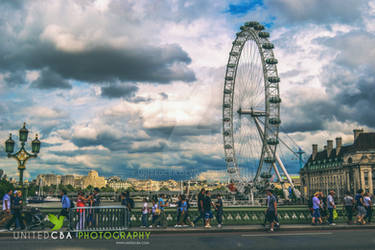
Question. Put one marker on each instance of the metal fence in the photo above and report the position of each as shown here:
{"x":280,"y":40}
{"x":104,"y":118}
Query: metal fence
{"x":101,"y":218}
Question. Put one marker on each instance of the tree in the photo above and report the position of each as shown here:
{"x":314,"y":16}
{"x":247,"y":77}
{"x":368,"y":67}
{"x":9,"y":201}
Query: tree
{"x":164,"y":188}
{"x":5,"y":186}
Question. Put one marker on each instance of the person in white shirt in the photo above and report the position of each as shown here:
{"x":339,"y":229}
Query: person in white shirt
{"x":145,"y":213}
{"x":6,"y":201}
{"x":368,"y":206}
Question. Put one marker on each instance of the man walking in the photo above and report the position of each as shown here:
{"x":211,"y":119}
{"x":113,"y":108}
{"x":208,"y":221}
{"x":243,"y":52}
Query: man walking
{"x":271,"y":212}
{"x":219,"y":211}
{"x":6,"y":213}
{"x":316,"y":208}
{"x":207,"y":203}
{"x":201,"y":197}
{"x":17,"y":208}
{"x":331,"y":206}
{"x":66,"y":204}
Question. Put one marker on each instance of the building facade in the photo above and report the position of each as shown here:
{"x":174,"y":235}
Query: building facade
{"x":343,"y":168}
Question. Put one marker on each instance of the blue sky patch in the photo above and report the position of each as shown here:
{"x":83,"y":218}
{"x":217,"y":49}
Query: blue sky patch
{"x":243,"y":7}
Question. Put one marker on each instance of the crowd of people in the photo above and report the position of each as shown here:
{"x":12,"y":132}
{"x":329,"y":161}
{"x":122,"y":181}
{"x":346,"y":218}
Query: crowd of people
{"x":323,"y":208}
{"x":205,"y":206}
{"x":12,"y":207}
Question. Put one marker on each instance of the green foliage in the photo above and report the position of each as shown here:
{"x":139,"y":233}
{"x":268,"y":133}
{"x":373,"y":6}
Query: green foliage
{"x":4,"y":187}
{"x":164,"y":188}
{"x":107,"y":189}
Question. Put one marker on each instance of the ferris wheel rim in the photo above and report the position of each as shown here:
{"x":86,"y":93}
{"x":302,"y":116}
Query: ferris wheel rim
{"x":251,"y":31}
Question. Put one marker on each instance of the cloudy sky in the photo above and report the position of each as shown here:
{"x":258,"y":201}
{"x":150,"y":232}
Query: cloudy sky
{"x":134,"y":87}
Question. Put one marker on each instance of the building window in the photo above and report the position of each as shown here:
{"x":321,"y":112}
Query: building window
{"x":366,"y":178}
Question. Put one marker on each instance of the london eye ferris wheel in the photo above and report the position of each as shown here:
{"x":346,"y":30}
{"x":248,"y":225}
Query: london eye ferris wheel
{"x":251,"y":108}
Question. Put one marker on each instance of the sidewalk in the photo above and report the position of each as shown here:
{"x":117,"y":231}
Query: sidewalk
{"x":233,"y":228}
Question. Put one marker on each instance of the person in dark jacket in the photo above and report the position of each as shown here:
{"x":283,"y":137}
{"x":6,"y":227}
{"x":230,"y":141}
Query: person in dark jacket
{"x":219,"y":211}
{"x":16,"y":211}
{"x":201,"y":197}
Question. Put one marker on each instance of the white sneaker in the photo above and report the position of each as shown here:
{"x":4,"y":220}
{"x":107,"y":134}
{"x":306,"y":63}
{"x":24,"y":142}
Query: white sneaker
{"x":150,"y":226}
{"x":332,"y":224}
{"x":219,"y":226}
{"x":176,"y":225}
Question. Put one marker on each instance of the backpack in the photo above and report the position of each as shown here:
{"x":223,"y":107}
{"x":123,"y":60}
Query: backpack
{"x":72,"y":204}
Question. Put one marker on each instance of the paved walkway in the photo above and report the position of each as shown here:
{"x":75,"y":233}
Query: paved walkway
{"x":235,"y":228}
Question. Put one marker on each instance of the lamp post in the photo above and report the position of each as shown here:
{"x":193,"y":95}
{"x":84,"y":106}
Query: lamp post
{"x":22,"y":155}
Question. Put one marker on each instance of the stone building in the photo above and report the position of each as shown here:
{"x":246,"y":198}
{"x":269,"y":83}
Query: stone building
{"x":343,"y":168}
{"x":93,"y":179}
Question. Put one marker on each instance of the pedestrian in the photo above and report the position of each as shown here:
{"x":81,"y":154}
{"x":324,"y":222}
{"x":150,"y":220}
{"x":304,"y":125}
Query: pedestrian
{"x":95,"y":202}
{"x":6,"y":212}
{"x":128,"y":203}
{"x":368,"y":206}
{"x":7,"y":201}
{"x":271,"y":211}
{"x":323,"y":207}
{"x":219,"y":211}
{"x":16,"y":211}
{"x":81,"y":202}
{"x":179,"y":203}
{"x":144,"y":213}
{"x":184,"y":219}
{"x":331,"y":206}
{"x":361,"y":211}
{"x":200,"y":200}
{"x":348,"y":203}
{"x":207,"y":204}
{"x":316,"y":207}
{"x":187,"y":217}
{"x":161,"y":205}
{"x":155,"y":211}
{"x":65,"y":204}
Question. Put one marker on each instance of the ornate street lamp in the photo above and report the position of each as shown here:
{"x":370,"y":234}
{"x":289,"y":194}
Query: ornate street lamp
{"x":22,"y":155}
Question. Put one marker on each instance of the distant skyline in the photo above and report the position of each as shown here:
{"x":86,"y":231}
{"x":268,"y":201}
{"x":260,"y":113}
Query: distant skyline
{"x":126,"y":87}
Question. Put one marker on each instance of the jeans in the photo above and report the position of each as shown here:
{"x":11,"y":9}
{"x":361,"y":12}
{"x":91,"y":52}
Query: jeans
{"x":349,"y":212}
{"x":369,"y":213}
{"x":16,"y":217}
{"x":144,"y":220}
{"x":219,"y":217}
{"x":330,"y":218}
{"x":162,"y":219}
{"x":201,"y":216}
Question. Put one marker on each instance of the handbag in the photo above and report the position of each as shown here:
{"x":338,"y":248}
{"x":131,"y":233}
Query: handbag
{"x":335,"y":215}
{"x":157,"y":211}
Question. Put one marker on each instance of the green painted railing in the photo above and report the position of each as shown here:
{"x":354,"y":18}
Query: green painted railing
{"x":235,"y":216}
{"x":99,"y":218}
